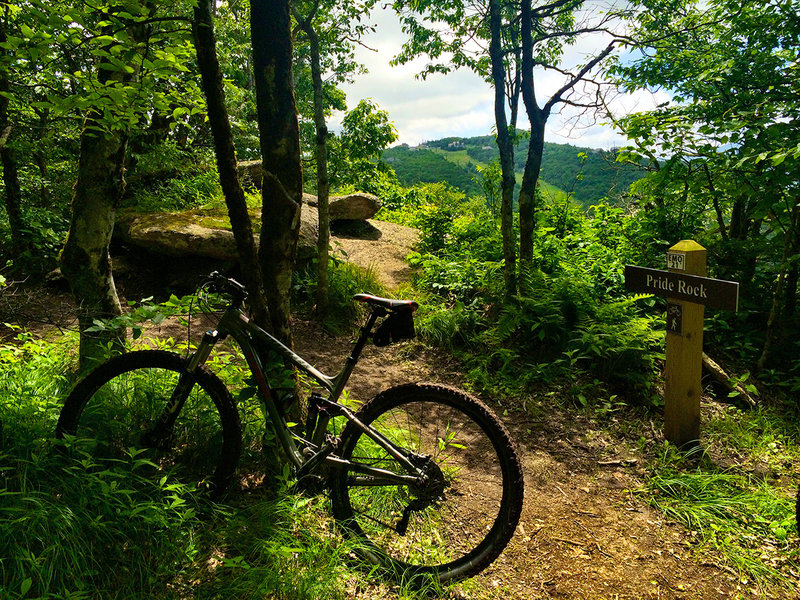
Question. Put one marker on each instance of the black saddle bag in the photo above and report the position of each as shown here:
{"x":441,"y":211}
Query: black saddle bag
{"x":399,"y":325}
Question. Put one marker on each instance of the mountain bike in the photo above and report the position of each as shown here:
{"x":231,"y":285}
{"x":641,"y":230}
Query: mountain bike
{"x":424,"y":478}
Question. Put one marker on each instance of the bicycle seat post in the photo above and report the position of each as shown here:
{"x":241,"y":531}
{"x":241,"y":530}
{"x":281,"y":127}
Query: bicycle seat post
{"x":376,"y":313}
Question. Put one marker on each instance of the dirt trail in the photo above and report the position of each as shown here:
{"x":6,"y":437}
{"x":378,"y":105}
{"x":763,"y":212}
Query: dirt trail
{"x":382,"y":246}
{"x":583,"y":533}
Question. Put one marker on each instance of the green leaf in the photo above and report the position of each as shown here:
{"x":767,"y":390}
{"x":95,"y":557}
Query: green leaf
{"x":247,"y":393}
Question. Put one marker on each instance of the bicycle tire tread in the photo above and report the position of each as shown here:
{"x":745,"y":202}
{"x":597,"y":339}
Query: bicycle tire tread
{"x":143,"y":359}
{"x":511,"y":507}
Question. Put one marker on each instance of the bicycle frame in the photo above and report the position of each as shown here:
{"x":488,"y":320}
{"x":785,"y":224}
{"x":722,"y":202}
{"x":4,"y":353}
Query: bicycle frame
{"x":235,"y":324}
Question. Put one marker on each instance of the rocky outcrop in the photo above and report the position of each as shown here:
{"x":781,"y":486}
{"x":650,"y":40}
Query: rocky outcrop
{"x":250,"y":173}
{"x":207,"y":233}
{"x":358,"y":206}
{"x":202,"y":233}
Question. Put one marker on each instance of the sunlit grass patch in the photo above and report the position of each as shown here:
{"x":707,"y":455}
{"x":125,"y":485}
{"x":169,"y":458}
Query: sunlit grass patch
{"x":73,"y":528}
{"x":749,"y":523}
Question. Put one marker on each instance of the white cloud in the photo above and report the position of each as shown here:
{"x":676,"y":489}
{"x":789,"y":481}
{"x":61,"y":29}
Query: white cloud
{"x":460,"y":103}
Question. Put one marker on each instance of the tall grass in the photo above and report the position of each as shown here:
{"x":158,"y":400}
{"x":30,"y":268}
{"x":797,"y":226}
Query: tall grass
{"x":344,"y":281}
{"x":747,"y":521}
{"x":70,"y":528}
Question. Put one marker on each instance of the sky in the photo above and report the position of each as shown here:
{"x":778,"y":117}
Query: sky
{"x":461,"y":104}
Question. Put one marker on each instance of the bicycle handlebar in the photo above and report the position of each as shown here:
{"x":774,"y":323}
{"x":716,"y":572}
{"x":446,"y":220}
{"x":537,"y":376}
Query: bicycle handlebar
{"x":219,"y":283}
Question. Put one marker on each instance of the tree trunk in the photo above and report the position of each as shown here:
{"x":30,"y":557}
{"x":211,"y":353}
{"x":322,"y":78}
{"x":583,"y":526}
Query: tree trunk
{"x":792,"y":276}
{"x":772,"y":336}
{"x":225,"y":152}
{"x":85,"y":260}
{"x":506,"y":150}
{"x":13,"y":195}
{"x":279,"y":134}
{"x":538,"y":119}
{"x":40,"y":157}
{"x":323,"y":185}
{"x":527,"y":190}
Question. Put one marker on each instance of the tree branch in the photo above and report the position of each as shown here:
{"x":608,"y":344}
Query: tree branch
{"x":556,"y":98}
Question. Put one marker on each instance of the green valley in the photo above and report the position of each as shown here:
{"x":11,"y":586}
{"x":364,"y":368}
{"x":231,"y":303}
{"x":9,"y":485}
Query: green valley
{"x":564,"y":168}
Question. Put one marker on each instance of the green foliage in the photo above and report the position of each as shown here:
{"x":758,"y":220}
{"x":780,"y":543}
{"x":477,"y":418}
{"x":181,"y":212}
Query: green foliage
{"x":418,"y":165}
{"x":462,"y":279}
{"x":448,"y":325}
{"x":62,"y":520}
{"x":744,"y":519}
{"x":43,"y":232}
{"x":441,"y":160}
{"x":275,"y":548}
{"x":355,"y":152}
{"x":724,"y":151}
{"x":345,"y":280}
{"x":167,"y":177}
{"x":181,"y":193}
{"x":81,"y":530}
{"x":70,"y":528}
{"x":572,"y":315}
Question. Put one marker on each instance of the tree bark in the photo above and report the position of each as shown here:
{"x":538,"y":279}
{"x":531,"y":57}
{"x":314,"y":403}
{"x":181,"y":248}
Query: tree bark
{"x":323,"y":185}
{"x":13,"y":194}
{"x":506,"y":150}
{"x":279,"y":134}
{"x":527,"y":190}
{"x":792,"y":277}
{"x":773,"y":336}
{"x":85,"y":260}
{"x":225,"y":152}
{"x":40,"y":156}
{"x":537,"y":118}
{"x":321,"y":150}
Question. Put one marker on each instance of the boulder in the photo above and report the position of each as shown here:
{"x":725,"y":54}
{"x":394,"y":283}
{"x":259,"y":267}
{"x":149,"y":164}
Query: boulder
{"x":358,"y":206}
{"x":355,"y":206}
{"x":203,"y":232}
{"x":250,"y":173}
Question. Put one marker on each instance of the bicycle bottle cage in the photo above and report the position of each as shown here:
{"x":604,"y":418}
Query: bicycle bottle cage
{"x":399,"y":325}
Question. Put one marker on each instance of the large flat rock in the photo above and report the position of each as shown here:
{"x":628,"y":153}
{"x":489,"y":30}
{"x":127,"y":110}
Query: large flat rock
{"x":202,"y":233}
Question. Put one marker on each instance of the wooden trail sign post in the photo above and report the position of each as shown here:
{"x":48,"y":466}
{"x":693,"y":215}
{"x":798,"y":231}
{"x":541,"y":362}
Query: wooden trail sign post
{"x":688,"y":292}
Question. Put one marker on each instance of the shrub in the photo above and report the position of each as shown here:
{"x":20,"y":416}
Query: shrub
{"x":345,"y":280}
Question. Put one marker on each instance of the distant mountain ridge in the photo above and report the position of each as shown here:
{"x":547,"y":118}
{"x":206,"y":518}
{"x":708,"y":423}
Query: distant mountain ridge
{"x":454,"y":160}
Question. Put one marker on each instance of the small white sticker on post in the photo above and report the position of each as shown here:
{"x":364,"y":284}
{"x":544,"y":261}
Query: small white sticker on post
{"x":676,"y":260}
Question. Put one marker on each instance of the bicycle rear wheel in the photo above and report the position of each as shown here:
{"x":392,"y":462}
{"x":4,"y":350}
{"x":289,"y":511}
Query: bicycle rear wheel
{"x":458,"y":521}
{"x":119,"y":408}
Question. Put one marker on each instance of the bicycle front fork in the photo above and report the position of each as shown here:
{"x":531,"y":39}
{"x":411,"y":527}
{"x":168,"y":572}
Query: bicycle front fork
{"x":161,"y":433}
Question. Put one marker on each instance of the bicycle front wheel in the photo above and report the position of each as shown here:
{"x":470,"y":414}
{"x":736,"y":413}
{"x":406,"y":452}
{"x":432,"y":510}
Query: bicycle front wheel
{"x":120,"y":410}
{"x":458,"y":519}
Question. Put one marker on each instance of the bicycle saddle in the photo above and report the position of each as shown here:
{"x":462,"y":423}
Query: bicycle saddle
{"x":386,"y":303}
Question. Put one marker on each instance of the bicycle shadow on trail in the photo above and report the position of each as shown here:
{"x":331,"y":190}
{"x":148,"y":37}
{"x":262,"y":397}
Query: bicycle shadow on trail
{"x":583,"y":532}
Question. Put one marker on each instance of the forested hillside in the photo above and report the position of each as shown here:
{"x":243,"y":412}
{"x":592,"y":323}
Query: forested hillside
{"x":421,"y":165}
{"x":589,"y":174}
